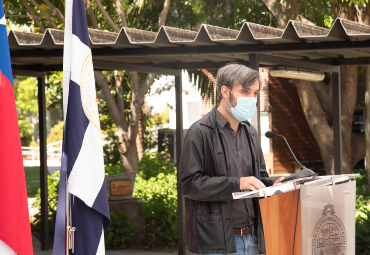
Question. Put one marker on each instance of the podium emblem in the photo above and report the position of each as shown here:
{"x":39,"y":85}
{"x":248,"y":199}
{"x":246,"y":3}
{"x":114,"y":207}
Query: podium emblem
{"x":329,"y":236}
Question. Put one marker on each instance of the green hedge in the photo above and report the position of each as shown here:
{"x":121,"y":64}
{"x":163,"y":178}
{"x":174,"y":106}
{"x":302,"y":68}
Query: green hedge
{"x":156,"y":185}
{"x":362,"y":215}
{"x":120,"y":232}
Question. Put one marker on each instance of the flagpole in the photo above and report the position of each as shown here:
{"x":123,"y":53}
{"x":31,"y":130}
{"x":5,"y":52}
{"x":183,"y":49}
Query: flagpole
{"x":67,"y":215}
{"x":67,"y":54}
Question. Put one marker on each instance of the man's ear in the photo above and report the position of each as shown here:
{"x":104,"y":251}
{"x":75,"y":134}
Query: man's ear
{"x":224,"y":92}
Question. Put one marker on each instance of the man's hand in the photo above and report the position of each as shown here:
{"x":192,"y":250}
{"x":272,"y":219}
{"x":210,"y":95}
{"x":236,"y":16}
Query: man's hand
{"x":251,"y":183}
{"x":278,"y":181}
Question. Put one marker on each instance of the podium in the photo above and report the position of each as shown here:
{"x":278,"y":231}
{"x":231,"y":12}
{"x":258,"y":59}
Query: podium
{"x":308,"y":216}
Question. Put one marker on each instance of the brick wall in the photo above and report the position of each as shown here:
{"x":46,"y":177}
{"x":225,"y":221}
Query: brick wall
{"x":287,"y":119}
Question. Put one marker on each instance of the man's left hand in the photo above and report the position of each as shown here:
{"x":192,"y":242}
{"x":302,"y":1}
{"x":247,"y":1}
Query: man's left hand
{"x":278,"y":181}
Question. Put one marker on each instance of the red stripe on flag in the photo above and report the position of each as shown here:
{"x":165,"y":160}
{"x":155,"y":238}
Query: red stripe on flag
{"x":15,"y":228}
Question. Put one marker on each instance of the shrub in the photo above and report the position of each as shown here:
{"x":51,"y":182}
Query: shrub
{"x":56,"y":133}
{"x":152,"y":164}
{"x":53,"y":188}
{"x":160,"y":208}
{"x":156,"y":185}
{"x":120,"y":232}
{"x":362,"y":215}
{"x":111,"y":169}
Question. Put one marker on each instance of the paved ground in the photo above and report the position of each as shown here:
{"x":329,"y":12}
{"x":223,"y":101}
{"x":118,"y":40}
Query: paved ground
{"x":37,"y":251}
{"x":117,"y":252}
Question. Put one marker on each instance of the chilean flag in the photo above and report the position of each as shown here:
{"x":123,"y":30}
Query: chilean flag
{"x":82,"y":157}
{"x":15,"y":229}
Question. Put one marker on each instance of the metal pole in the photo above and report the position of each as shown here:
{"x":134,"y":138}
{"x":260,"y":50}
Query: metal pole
{"x":179,"y":142}
{"x":67,"y":215}
{"x":254,"y":63}
{"x":367,"y":123}
{"x":43,"y":164}
{"x":337,"y":128}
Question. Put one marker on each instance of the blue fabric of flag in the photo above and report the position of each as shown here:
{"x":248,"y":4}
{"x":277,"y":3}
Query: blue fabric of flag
{"x":5,"y":64}
{"x":90,"y":213}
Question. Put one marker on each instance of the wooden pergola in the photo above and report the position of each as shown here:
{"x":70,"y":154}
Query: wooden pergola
{"x":171,"y":50}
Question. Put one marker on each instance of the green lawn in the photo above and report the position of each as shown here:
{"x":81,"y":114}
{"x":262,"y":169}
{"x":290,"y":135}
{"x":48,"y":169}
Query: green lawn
{"x":32,"y":180}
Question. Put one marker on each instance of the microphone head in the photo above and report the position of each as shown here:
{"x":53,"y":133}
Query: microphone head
{"x":270,"y":134}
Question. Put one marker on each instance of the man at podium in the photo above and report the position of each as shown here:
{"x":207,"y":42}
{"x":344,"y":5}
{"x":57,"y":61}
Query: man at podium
{"x":221,"y":155}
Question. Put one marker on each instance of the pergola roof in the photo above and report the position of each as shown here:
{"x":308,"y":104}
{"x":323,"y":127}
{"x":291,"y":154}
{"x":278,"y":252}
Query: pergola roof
{"x":347,"y":42}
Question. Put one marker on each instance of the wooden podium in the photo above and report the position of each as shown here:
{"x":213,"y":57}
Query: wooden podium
{"x":310,"y":217}
{"x":281,"y":219}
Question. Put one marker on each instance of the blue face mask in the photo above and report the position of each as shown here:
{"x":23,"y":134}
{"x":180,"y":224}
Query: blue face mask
{"x":245,"y":108}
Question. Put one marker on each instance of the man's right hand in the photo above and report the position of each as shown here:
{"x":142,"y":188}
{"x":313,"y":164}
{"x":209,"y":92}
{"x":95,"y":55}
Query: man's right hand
{"x":251,"y":183}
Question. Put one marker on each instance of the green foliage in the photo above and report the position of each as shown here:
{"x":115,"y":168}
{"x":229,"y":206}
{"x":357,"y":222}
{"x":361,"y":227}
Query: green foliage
{"x":166,"y":155}
{"x":56,"y":133}
{"x":53,"y":188}
{"x":111,"y":169}
{"x":363,"y":231}
{"x":362,"y":214}
{"x":26,"y":102}
{"x":160,"y":209}
{"x":53,"y":89}
{"x":20,"y":14}
{"x":152,"y":164}
{"x":120,"y":231}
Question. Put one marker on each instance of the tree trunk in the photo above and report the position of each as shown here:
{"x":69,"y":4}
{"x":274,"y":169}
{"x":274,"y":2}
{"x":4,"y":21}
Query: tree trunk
{"x":91,"y":15}
{"x":317,"y":121}
{"x":129,"y":158}
{"x":316,"y":99}
{"x":140,"y":137}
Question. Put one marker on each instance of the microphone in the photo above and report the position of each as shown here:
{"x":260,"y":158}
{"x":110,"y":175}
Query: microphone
{"x":305,"y":172}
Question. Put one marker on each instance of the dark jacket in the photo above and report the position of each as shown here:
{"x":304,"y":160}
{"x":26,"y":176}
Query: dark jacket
{"x":208,"y":189}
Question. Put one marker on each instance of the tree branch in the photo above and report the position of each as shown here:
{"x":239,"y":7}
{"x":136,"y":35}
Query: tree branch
{"x":47,"y":16}
{"x":358,"y":145}
{"x":358,"y":13}
{"x":56,"y":11}
{"x":91,"y":14}
{"x":121,"y":12}
{"x":135,"y":83}
{"x":109,"y":99}
{"x":276,"y":10}
{"x":163,"y":15}
{"x":101,"y":96}
{"x":325,"y":95}
{"x":119,"y":89}
{"x":106,"y":16}
{"x":146,"y":85}
{"x":31,"y":12}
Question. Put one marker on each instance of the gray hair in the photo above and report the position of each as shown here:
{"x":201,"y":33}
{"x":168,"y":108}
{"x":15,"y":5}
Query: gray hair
{"x":233,"y":72}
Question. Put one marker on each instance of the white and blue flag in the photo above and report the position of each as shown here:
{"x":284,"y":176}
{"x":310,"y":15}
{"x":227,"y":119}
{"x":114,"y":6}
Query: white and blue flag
{"x":82,"y":156}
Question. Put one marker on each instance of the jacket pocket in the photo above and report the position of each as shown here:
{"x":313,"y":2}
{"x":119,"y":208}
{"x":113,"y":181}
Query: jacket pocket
{"x":210,"y":232}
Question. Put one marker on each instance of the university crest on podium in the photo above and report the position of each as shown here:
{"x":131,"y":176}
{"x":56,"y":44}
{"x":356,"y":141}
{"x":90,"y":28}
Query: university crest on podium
{"x":329,"y":236}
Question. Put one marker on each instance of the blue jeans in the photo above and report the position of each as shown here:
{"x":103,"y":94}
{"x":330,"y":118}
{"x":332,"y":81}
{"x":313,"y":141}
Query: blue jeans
{"x":245,"y":245}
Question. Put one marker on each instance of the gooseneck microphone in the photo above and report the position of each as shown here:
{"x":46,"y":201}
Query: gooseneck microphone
{"x":305,"y":172}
